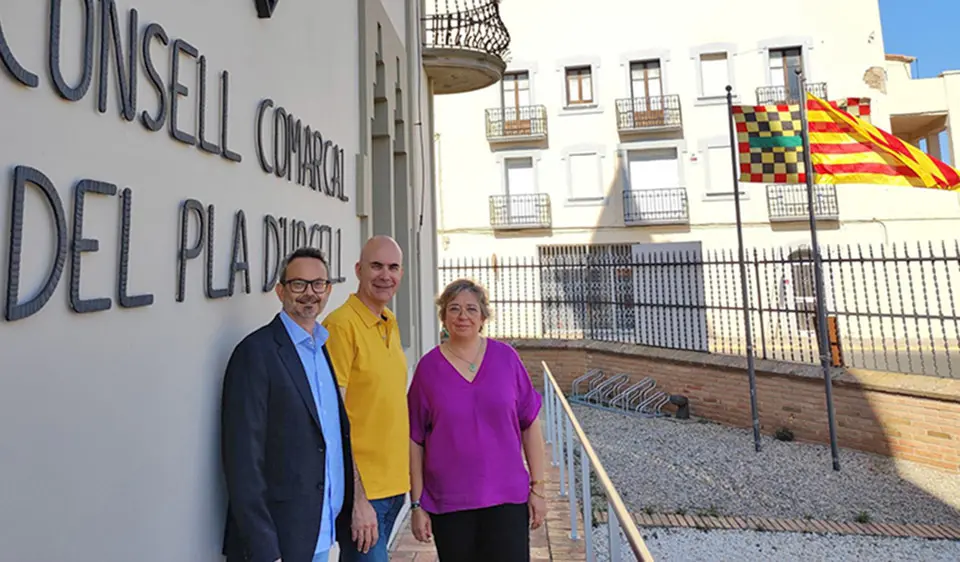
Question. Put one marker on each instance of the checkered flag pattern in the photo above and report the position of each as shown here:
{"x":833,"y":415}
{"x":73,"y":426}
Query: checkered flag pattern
{"x":769,"y":143}
{"x":857,"y":107}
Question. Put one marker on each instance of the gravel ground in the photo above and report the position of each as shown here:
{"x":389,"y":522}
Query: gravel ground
{"x":667,"y":464}
{"x":692,"y":545}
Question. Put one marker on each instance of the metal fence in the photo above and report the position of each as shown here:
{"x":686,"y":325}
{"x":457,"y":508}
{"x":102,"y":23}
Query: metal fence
{"x":895,"y":306}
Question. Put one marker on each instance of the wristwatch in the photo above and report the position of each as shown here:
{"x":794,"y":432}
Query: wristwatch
{"x":414,"y":505}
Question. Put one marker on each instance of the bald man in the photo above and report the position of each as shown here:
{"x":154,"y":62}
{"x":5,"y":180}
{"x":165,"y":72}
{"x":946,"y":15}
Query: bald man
{"x":371,"y":370}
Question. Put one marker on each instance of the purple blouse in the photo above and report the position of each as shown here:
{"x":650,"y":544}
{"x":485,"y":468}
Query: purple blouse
{"x":470,"y":431}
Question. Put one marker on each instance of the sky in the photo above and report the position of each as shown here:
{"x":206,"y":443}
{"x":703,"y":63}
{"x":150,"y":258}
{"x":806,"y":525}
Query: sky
{"x":925,"y":29}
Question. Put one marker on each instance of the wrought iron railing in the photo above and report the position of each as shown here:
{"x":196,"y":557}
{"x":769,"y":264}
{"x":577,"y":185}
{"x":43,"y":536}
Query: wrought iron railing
{"x":512,"y":123}
{"x":473,"y":25}
{"x":656,"y":206}
{"x":524,"y":210}
{"x":772,"y":95}
{"x":563,"y":433}
{"x":789,"y":202}
{"x":654,"y":112}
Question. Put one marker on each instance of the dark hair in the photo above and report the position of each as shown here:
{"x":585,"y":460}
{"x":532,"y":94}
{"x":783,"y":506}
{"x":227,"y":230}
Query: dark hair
{"x":305,"y":252}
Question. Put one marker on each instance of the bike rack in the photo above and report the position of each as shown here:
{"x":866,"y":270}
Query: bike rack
{"x":591,"y":378}
{"x":618,"y":393}
{"x":651,"y":406}
{"x":636,"y":392}
{"x":601,"y":392}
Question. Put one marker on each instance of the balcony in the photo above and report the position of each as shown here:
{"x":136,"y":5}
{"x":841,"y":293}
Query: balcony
{"x":786,"y":95}
{"x":788,"y":202}
{"x":648,"y":207}
{"x":517,"y":124}
{"x":520,"y":211}
{"x":464,"y":45}
{"x":649,"y":115}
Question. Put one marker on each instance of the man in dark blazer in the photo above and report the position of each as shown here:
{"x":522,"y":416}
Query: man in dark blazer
{"x":285,"y":436}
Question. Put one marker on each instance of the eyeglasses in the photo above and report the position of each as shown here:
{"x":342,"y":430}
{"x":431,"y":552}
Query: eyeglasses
{"x":300,"y":285}
{"x":470,"y":311}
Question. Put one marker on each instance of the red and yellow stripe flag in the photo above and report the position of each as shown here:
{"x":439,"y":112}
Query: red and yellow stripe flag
{"x":845,"y":149}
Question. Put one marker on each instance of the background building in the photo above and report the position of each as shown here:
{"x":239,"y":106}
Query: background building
{"x":123,"y":306}
{"x":610,"y":127}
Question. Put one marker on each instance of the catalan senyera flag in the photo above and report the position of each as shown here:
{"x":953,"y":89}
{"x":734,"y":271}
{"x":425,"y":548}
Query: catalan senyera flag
{"x":844,"y":149}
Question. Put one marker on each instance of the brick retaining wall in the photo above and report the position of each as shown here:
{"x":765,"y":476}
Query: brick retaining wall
{"x":911,"y":417}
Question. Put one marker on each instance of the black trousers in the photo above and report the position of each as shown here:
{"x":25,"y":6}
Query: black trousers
{"x":494,"y":534}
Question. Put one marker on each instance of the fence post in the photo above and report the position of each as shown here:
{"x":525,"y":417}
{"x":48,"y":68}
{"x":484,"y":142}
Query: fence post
{"x":562,"y":442}
{"x":613,"y":533}
{"x":571,"y":482}
{"x":548,"y":407}
{"x":587,"y":508}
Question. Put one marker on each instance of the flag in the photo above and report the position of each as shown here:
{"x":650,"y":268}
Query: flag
{"x":845,"y":149}
{"x":769,"y":143}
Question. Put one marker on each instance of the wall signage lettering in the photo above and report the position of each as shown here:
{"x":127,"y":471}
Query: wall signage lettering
{"x":287,"y":149}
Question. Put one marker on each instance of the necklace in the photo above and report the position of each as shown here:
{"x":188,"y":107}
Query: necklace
{"x":472,"y":365}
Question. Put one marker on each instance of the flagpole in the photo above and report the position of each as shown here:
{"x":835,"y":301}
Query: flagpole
{"x":751,"y":368}
{"x":822,"y":341}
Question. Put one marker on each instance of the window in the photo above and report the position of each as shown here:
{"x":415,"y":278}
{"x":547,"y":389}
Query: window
{"x":645,"y":81}
{"x":716,"y":160}
{"x":714,"y":74}
{"x":585,"y":176}
{"x":579,"y":85}
{"x":515,"y":88}
{"x":521,"y":186}
{"x":784,"y":64}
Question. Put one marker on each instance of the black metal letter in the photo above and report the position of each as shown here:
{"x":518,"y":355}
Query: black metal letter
{"x":195,"y":207}
{"x":280,"y":121}
{"x":224,"y":117}
{"x":205,"y":145}
{"x":13,"y":66}
{"x":271,"y":232}
{"x":82,"y":245}
{"x":341,"y":192}
{"x":328,"y":187}
{"x":177,"y":89}
{"x":241,"y":261}
{"x":211,"y":292}
{"x":22,"y":175}
{"x":66,"y":91}
{"x":263,"y":107}
{"x":154,"y":31}
{"x":127,"y":301}
{"x":126,"y":82}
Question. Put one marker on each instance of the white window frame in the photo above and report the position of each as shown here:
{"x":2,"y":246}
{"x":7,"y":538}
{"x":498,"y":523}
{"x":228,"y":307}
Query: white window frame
{"x":650,"y":54}
{"x":624,"y":150}
{"x":730,"y":49}
{"x":805,"y":43}
{"x":519,"y":66}
{"x":581,"y":108}
{"x":501,"y":161}
{"x":704,"y":147}
{"x":585,"y":150}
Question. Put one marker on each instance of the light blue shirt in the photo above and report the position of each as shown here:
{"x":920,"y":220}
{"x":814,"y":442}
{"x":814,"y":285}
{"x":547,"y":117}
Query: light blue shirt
{"x":310,"y":349}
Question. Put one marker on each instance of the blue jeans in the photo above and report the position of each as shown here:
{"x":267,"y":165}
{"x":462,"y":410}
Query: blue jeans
{"x":387,"y":510}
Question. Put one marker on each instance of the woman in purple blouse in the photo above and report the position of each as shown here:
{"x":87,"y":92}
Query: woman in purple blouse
{"x":473,"y":419}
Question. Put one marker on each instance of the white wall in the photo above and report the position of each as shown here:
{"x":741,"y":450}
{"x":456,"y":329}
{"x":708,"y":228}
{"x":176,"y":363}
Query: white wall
{"x":109,"y":420}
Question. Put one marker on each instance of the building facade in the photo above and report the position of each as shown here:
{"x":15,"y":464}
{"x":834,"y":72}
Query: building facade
{"x":160,"y":158}
{"x":613,"y":129}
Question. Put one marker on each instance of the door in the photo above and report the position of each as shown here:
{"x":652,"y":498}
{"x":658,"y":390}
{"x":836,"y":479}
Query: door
{"x":784,"y":64}
{"x":521,"y":191}
{"x":670,"y":296}
{"x":654,"y":181}
{"x":646,"y":91}
{"x":516,"y":104}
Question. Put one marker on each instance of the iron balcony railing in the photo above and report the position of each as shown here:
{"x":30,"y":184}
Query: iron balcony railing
{"x":526,"y":210}
{"x":644,"y":113}
{"x":473,"y":25}
{"x":566,"y":438}
{"x":774,"y":95}
{"x":505,"y":124}
{"x":786,"y":202}
{"x":656,"y":206}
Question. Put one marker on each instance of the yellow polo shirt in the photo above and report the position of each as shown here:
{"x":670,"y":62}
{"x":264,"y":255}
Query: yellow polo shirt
{"x":370,"y":364}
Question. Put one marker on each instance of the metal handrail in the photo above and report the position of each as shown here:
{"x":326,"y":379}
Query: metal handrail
{"x":561,"y":430}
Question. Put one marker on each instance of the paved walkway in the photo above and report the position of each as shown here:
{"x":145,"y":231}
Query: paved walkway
{"x":551,"y":542}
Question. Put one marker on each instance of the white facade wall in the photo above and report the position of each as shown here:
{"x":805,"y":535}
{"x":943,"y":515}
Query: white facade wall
{"x":109,"y":423}
{"x":549,"y":36}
